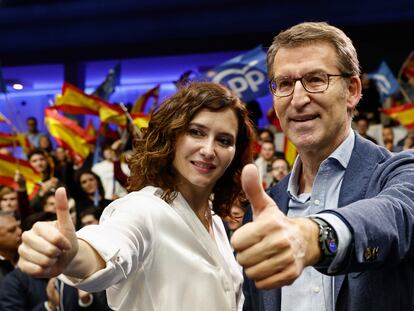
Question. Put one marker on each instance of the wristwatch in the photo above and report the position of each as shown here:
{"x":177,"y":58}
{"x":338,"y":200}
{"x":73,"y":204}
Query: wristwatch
{"x":328,"y":243}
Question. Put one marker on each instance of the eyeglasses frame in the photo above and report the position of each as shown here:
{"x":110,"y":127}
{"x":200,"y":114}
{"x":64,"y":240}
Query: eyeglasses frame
{"x":343,"y":75}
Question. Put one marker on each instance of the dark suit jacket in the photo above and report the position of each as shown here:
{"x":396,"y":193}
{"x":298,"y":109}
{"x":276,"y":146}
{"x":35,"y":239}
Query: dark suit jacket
{"x":5,"y":268}
{"x":376,"y":202}
{"x":20,"y":292}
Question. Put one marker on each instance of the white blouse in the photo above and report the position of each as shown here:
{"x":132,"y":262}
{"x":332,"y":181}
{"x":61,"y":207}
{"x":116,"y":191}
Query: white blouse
{"x":160,"y":257}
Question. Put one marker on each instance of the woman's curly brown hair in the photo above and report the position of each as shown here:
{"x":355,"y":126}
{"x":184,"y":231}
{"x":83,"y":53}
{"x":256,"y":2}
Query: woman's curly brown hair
{"x":151,"y":161}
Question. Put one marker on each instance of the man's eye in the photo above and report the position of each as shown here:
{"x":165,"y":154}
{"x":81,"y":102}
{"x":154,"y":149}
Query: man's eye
{"x":284,"y":84}
{"x":315,"y":79}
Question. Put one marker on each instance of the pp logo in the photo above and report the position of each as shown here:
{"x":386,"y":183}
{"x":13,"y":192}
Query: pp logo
{"x":247,"y":82}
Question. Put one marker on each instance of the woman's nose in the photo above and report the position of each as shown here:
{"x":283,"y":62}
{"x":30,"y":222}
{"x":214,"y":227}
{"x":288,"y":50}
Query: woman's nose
{"x":207,"y":150}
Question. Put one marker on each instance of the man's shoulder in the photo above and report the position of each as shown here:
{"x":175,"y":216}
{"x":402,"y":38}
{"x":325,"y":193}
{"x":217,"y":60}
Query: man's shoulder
{"x":371,"y":153}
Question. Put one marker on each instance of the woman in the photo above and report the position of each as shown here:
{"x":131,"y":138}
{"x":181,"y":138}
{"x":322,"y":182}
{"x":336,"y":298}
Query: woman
{"x":89,"y":192}
{"x":42,"y":164}
{"x":163,"y":246}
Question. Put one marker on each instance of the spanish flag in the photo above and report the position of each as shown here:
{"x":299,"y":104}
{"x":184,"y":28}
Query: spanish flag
{"x":407,"y":69}
{"x":74,"y":101}
{"x":8,"y":167}
{"x":13,"y":140}
{"x":3,"y":118}
{"x":404,"y":114}
{"x":111,"y":113}
{"x":290,"y":151}
{"x":8,"y":140}
{"x":140,"y":119}
{"x":68,"y":134}
{"x":141,"y":102}
{"x":90,"y":129}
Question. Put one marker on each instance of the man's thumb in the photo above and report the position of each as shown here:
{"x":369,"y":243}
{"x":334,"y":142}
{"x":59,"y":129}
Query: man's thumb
{"x":254,"y":191}
{"x":64,"y":219}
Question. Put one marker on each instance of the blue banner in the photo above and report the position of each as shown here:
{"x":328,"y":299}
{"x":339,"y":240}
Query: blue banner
{"x":245,"y":74}
{"x":107,"y":87}
{"x":385,"y":81}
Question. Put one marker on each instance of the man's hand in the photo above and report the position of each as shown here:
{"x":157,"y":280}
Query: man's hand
{"x":273,"y":249}
{"x":49,"y":247}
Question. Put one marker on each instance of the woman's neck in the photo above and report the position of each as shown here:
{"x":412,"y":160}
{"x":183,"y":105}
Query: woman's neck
{"x":199,"y":203}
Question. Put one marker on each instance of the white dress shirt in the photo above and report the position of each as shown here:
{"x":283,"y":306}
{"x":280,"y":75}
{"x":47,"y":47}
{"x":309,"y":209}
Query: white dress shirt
{"x":160,"y":257}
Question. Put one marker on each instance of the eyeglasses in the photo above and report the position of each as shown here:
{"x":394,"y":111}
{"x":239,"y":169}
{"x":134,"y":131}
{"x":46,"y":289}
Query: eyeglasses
{"x":313,"y":82}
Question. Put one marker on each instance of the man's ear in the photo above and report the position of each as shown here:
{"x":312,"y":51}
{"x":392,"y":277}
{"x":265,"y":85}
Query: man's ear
{"x":354,"y":92}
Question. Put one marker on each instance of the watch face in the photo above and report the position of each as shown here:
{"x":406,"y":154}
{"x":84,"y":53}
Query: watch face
{"x":331,"y":243}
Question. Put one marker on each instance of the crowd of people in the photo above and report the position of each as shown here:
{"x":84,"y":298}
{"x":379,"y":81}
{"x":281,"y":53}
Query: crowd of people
{"x":198,"y":221}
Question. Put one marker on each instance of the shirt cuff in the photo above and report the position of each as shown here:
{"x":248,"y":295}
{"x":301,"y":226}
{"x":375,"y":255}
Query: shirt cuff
{"x":344,"y":239}
{"x":85,"y":305}
{"x":47,"y":306}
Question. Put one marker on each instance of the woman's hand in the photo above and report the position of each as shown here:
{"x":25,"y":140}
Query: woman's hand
{"x":49,"y":247}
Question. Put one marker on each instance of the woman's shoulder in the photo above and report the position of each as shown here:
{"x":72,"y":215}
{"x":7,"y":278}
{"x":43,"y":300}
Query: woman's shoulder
{"x":150,"y":192}
{"x":146,"y":200}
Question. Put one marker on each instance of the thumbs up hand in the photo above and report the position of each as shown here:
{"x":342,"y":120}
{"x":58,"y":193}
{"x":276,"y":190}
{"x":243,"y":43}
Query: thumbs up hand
{"x":50,"y":246}
{"x":273,"y":249}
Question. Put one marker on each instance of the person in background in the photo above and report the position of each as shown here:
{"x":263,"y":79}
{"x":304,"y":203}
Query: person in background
{"x":21,"y":292}
{"x":348,"y":236}
{"x":90,"y":192}
{"x":280,"y":169}
{"x":264,"y":162}
{"x":265,"y":134}
{"x":362,"y":126}
{"x":10,"y":239}
{"x":46,"y":144}
{"x":388,"y":138}
{"x":105,"y":171}
{"x":39,"y":160}
{"x":33,"y":134}
{"x":49,"y":205}
{"x":15,"y":199}
{"x":90,"y":216}
{"x":407,"y":142}
{"x":154,"y":247}
{"x":235,"y":219}
{"x":8,"y":200}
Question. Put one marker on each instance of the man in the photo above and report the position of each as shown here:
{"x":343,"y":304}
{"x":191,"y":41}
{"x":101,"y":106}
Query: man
{"x":33,"y":134}
{"x":105,"y":171}
{"x":264,"y":162}
{"x":407,"y":141}
{"x":347,"y":240}
{"x":10,"y":238}
{"x":16,"y":200}
{"x":8,"y":200}
{"x":280,"y":169}
{"x":362,"y":126}
{"x":388,"y":138}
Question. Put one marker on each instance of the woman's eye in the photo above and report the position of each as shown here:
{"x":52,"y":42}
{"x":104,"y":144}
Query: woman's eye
{"x":226,"y":141}
{"x":195,"y":132}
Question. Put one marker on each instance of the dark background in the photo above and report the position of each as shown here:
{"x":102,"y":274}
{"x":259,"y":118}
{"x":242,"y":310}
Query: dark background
{"x":33,"y":32}
{"x":46,"y":42}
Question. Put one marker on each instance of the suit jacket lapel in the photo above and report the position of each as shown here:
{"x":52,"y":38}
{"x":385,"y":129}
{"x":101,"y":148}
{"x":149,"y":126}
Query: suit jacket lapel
{"x":359,"y":171}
